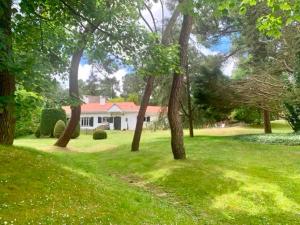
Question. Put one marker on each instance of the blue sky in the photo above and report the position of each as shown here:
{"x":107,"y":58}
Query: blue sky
{"x":223,"y":45}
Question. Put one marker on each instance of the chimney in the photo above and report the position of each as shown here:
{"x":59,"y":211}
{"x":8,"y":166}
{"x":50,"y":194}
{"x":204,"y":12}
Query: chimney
{"x":102,"y":100}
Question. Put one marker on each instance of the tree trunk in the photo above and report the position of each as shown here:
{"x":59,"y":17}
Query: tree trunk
{"x":74,"y":94}
{"x":175,"y":95}
{"x":149,"y":86}
{"x":141,"y":115}
{"x":267,"y":122}
{"x":189,"y":101}
{"x":7,"y":79}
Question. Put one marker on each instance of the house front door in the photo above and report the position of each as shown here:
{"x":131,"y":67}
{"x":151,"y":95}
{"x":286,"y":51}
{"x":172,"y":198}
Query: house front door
{"x":117,"y":123}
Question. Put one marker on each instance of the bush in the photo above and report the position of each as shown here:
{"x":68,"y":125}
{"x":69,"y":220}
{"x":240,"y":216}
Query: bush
{"x":49,"y":118}
{"x":28,"y":111}
{"x":247,"y":115}
{"x":76,"y":132}
{"x":99,"y":134}
{"x":293,"y":116}
{"x":37,"y":133}
{"x":59,"y":128}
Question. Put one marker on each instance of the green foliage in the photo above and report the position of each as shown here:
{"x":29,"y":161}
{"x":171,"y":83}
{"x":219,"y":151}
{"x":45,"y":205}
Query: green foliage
{"x":99,"y":134}
{"x":211,"y":93}
{"x":293,"y":116}
{"x":76,"y":132}
{"x":49,"y":118}
{"x":133,"y":84}
{"x":277,"y":13}
{"x":117,"y":99}
{"x":247,"y":115}
{"x":132,"y":97}
{"x":160,"y":60}
{"x":28,"y":109}
{"x":59,"y":128}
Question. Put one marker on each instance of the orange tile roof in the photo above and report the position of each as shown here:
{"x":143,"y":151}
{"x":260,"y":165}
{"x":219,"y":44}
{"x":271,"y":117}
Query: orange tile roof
{"x":124,"y":106}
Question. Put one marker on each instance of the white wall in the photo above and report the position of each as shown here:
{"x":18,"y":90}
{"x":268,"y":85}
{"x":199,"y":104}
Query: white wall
{"x":129,"y":124}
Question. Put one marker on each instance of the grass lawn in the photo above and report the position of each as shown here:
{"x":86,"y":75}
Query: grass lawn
{"x":223,"y":181}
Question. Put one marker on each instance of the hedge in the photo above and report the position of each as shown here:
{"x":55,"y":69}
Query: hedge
{"x":49,"y":118}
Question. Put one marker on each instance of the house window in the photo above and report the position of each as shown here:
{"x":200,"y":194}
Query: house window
{"x":147,"y":119}
{"x":91,"y":122}
{"x":108,"y":119}
{"x":99,"y":119}
{"x":87,"y":121}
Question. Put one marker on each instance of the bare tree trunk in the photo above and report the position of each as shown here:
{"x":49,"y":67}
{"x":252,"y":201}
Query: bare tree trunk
{"x":141,"y":114}
{"x":149,"y":87}
{"x":175,"y":95}
{"x":267,"y":122}
{"x":189,"y":101}
{"x":74,"y":94}
{"x":7,"y":79}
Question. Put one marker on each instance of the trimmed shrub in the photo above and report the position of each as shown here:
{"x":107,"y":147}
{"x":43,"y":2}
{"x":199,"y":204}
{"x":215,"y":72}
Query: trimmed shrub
{"x":49,"y":118}
{"x":59,"y":128}
{"x":76,"y":132}
{"x":37,"y":133}
{"x":99,"y":134}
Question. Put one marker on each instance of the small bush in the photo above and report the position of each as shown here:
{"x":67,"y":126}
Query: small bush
{"x":59,"y":128}
{"x":76,"y":132}
{"x":99,"y":134}
{"x":37,"y":133}
{"x":49,"y":118}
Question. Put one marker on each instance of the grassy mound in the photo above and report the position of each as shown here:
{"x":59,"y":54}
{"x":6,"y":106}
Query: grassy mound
{"x":223,"y":181}
{"x":36,"y":189}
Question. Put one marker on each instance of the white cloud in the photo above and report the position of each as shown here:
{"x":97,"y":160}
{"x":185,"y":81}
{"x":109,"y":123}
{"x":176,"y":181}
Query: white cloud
{"x":119,"y":75}
{"x":229,"y":66}
{"x":84,"y":71}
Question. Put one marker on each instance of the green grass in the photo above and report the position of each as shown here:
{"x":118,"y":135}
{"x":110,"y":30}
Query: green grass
{"x":223,"y":181}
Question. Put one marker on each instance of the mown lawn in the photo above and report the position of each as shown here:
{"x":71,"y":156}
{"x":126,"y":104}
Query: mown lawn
{"x":223,"y":181}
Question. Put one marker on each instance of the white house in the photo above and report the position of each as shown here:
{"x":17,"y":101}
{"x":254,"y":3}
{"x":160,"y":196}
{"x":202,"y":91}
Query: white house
{"x":120,"y":116}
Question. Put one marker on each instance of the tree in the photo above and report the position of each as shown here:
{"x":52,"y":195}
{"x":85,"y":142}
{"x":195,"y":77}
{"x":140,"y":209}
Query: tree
{"x":133,"y":84}
{"x":7,"y":77}
{"x":109,"y":86}
{"x":212,"y":92}
{"x":74,"y":92}
{"x":114,"y":35}
{"x":258,"y":84}
{"x":92,"y":84}
{"x":175,"y":95}
{"x":165,"y":40}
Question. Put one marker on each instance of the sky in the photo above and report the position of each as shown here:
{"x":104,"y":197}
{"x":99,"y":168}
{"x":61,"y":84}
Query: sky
{"x":221,"y":47}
